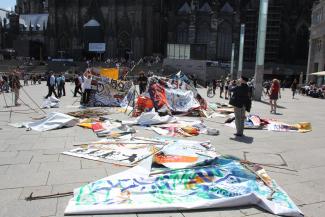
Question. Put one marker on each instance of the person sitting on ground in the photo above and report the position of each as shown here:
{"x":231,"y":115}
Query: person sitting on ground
{"x":275,"y":94}
{"x":241,"y":100}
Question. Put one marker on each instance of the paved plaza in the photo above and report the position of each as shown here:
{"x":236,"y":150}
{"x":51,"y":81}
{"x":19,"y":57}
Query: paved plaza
{"x":31,"y":161}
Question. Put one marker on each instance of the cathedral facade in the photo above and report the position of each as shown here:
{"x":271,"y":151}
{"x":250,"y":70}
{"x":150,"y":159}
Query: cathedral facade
{"x":135,"y":28}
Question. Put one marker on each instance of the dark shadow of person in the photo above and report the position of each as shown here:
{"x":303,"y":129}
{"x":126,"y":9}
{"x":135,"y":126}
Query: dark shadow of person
{"x":243,"y":139}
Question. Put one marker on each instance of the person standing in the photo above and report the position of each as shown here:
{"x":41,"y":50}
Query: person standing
{"x":77,"y":88}
{"x":294,"y":87}
{"x":25,"y":80}
{"x":214,"y":86}
{"x":59,"y":85}
{"x":86,"y":86}
{"x":63,"y":84}
{"x":222,"y":86}
{"x":227,"y":83}
{"x":15,"y":86}
{"x":274,"y":95}
{"x":143,"y":80}
{"x":241,"y":100}
{"x":51,"y":86}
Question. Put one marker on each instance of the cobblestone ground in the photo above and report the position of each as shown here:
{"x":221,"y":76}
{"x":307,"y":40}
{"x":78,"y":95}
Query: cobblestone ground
{"x":31,"y":161}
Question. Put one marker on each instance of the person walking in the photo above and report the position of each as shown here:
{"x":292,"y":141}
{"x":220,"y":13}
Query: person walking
{"x":51,"y":85}
{"x":241,"y":100}
{"x":294,"y":87}
{"x":86,"y":86}
{"x":15,"y":86}
{"x":274,"y":94}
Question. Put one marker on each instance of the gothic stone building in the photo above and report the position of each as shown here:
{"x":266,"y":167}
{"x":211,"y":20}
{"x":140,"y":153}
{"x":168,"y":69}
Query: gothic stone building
{"x":133,"y":28}
{"x":136,"y":28}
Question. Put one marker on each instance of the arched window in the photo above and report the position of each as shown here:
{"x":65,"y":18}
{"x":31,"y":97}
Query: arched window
{"x":224,"y":41}
{"x":182,"y":33}
{"x":203,"y":33}
{"x":63,"y":43}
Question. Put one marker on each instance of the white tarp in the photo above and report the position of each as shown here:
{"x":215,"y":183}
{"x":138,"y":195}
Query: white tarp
{"x":151,"y":118}
{"x":53,"y":121}
{"x":50,"y":102}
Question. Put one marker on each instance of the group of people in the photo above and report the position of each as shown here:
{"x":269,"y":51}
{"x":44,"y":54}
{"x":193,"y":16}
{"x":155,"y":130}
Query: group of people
{"x":313,"y":90}
{"x":34,"y":79}
{"x":56,"y":85}
{"x":226,"y":86}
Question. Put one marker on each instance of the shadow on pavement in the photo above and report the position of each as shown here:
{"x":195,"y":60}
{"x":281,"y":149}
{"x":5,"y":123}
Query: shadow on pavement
{"x":267,"y":103}
{"x":244,"y":139}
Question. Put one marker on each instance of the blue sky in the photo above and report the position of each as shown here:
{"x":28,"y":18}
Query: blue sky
{"x":7,"y":4}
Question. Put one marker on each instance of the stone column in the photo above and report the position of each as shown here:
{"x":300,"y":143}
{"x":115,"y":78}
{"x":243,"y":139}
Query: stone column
{"x":310,"y":60}
{"x":241,"y":51}
{"x":260,"y":51}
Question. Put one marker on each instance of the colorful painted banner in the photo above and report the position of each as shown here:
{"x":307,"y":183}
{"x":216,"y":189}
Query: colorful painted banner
{"x":111,"y":73}
{"x":218,"y":183}
{"x":125,"y":153}
{"x":110,"y":93}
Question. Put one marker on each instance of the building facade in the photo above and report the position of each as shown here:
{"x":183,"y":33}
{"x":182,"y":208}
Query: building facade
{"x":137,"y":28}
{"x":131,"y":28}
{"x":316,"y":59}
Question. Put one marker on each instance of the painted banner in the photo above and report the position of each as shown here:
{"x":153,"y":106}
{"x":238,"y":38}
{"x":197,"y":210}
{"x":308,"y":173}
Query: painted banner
{"x":125,"y":153}
{"x":218,"y":183}
{"x":111,"y":73}
{"x":176,"y":95}
{"x":110,"y":93}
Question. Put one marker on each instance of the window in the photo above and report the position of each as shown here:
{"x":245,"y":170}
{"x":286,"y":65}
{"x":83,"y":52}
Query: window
{"x":182,"y":33}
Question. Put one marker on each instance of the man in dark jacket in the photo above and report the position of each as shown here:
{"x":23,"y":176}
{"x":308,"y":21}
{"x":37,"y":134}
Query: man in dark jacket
{"x":241,"y":100}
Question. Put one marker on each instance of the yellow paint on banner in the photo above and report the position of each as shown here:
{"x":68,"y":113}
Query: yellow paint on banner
{"x":111,"y":73}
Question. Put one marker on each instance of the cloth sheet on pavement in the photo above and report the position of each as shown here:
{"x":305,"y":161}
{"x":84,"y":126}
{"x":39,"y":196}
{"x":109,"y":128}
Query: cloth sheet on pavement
{"x":52,"y":121}
{"x":150,"y":118}
{"x":183,"y":182}
{"x":184,"y":128}
{"x":106,"y":128}
{"x":50,"y":102}
{"x":127,"y":152}
{"x":255,"y":122}
{"x":89,"y":113}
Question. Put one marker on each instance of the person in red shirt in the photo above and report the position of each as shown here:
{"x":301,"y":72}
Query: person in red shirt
{"x":274,"y":95}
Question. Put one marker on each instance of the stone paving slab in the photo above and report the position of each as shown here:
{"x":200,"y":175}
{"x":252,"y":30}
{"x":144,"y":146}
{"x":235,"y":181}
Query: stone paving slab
{"x":32,"y":162}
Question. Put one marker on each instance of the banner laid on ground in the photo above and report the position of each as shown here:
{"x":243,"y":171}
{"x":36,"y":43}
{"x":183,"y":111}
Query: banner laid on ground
{"x":217,"y":183}
{"x":124,"y":152}
{"x":54,"y":120}
{"x":110,"y":93}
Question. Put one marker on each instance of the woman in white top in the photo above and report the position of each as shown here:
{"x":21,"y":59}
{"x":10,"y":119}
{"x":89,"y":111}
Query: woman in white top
{"x":86,"y":87}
